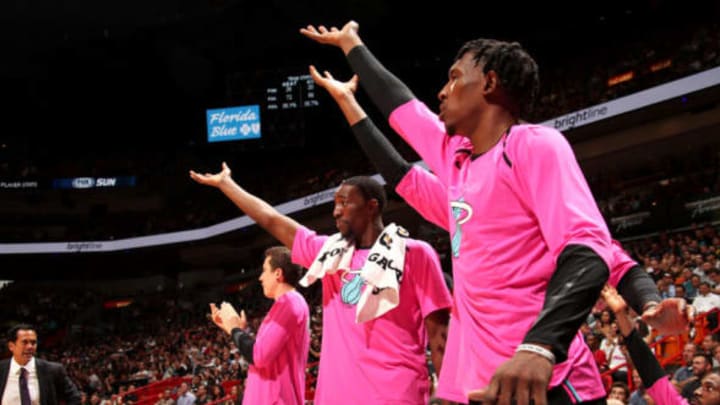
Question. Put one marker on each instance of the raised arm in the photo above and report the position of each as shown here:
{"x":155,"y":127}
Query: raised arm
{"x":385,"y":89}
{"x":378,"y":149}
{"x":411,"y":119}
{"x":282,"y":227}
{"x":420,"y":189}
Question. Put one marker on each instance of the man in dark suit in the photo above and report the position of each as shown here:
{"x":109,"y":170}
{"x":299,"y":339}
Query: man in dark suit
{"x":27,"y":380}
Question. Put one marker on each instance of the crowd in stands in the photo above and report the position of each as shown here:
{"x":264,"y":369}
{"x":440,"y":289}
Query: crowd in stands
{"x":684,"y":265}
{"x":112,"y":351}
{"x":668,"y":56}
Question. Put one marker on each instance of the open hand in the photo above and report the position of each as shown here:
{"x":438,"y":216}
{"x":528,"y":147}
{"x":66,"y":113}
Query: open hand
{"x":214,"y":180}
{"x":345,"y":38}
{"x":336,"y":88}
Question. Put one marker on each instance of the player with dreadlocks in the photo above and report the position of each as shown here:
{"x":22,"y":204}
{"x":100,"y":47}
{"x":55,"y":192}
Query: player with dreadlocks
{"x":530,"y":248}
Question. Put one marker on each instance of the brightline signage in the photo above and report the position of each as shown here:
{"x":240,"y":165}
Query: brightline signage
{"x":636,"y":101}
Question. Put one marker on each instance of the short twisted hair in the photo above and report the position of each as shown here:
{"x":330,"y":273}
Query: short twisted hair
{"x":515,"y":68}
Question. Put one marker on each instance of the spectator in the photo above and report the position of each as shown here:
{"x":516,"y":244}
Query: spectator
{"x":185,"y":396}
{"x":702,"y":366}
{"x":683,"y":374}
{"x":620,"y":391}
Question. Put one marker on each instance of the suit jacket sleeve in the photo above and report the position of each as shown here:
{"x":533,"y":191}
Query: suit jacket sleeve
{"x":66,"y":388}
{"x":58,"y":387}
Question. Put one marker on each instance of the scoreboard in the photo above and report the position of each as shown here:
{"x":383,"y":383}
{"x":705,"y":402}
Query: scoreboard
{"x":286,"y":97}
{"x":292,"y":92}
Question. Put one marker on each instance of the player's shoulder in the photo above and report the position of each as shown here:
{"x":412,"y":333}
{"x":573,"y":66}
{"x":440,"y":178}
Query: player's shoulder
{"x":419,"y":247}
{"x":534,"y":141}
{"x":534,"y":134}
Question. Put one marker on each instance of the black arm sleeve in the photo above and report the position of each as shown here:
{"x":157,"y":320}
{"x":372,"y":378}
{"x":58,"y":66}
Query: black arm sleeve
{"x":245,"y":343}
{"x":571,"y":293}
{"x":638,"y":288}
{"x":645,"y":362}
{"x":381,"y":152}
{"x":385,"y":90}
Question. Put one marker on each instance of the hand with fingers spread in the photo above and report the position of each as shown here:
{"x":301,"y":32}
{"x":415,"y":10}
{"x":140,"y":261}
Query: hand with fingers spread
{"x":336,"y":88}
{"x":671,"y":316}
{"x":345,"y":38}
{"x":214,"y":180}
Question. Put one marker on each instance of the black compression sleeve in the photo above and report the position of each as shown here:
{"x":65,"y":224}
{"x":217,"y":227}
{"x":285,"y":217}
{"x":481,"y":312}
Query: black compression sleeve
{"x":381,"y":152}
{"x":383,"y":87}
{"x":644,"y":360}
{"x":637,"y":288}
{"x":571,"y":293}
{"x":244,"y":342}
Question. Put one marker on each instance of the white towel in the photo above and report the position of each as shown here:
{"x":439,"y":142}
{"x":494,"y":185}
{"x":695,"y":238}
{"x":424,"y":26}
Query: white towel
{"x":335,"y":254}
{"x":382,"y":271}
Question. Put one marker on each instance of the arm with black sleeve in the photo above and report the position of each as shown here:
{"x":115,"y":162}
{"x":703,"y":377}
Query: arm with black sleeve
{"x":667,"y":316}
{"x":380,"y":151}
{"x":638,"y":289}
{"x":376,"y":146}
{"x":385,"y":90}
{"x":244,"y":342}
{"x":573,"y":289}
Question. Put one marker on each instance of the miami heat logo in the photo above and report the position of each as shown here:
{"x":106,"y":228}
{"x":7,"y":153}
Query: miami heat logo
{"x":352,"y":286}
{"x":461,"y":212}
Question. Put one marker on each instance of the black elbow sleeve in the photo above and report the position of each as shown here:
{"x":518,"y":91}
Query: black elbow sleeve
{"x":638,"y":288}
{"x":381,"y":152}
{"x":385,"y":90}
{"x":245,"y":344}
{"x":571,"y":293}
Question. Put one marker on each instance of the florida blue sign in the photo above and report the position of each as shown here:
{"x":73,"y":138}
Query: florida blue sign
{"x":233,"y":123}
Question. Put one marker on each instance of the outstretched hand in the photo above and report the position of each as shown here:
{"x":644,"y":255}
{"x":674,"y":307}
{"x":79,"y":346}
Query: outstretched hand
{"x":671,"y":316}
{"x":345,"y":38}
{"x":335,"y":87}
{"x":522,"y":379}
{"x":214,"y":180}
